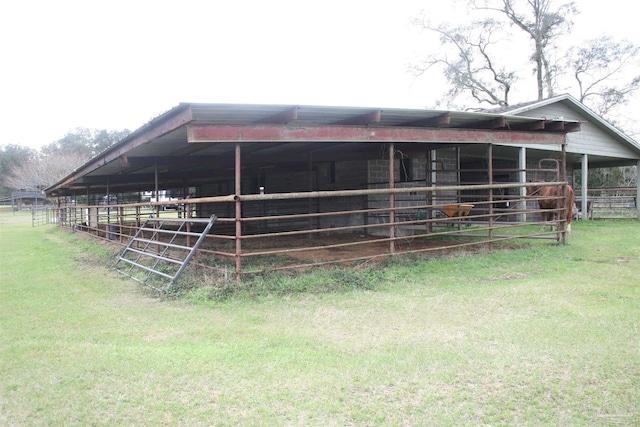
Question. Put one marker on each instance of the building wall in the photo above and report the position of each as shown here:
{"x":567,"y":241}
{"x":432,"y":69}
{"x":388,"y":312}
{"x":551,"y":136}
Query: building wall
{"x":341,"y":175}
{"x":591,"y":139}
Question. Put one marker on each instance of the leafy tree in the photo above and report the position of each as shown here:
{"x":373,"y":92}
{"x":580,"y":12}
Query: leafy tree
{"x":84,"y":141}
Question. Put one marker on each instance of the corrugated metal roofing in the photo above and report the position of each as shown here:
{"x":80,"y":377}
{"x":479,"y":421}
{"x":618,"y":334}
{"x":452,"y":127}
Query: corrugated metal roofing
{"x":325,"y":115}
{"x":166,"y":134}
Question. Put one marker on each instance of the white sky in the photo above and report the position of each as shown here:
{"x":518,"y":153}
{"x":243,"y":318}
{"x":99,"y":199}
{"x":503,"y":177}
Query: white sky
{"x":117,"y":64}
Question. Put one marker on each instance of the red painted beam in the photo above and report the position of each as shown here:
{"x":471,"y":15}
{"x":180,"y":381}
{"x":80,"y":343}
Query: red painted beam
{"x":279,"y":133}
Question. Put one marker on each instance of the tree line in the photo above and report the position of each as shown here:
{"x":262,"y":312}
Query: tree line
{"x":482,"y":68}
{"x":24,"y":168}
{"x":478,"y":60}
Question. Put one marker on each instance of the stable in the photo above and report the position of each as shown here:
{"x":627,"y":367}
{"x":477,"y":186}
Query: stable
{"x":599,"y":144}
{"x":296,"y":186}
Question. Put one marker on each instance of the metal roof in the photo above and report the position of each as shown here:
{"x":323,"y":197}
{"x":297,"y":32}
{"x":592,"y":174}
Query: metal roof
{"x":130,"y":161}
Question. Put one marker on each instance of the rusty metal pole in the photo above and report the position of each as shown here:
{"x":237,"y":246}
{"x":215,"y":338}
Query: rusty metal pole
{"x":635,"y":199}
{"x":156,"y":187}
{"x":490,"y":166}
{"x":392,"y":200}
{"x":238,"y":216}
{"x":563,"y":214}
{"x":310,"y":182}
{"x":185,"y":195}
{"x":458,"y":178}
{"x":428,"y":181}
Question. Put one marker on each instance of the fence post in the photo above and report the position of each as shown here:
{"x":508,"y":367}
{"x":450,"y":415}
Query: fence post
{"x":238,"y":213}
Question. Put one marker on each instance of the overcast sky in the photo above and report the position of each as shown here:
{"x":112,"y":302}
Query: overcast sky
{"x":117,"y":64}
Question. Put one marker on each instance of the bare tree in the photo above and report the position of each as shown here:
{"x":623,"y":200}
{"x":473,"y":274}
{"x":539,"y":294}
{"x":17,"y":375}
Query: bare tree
{"x":601,"y":70}
{"x":542,"y":24}
{"x":43,"y":171}
{"x":56,"y":160}
{"x":628,"y":176}
{"x":472,"y":68}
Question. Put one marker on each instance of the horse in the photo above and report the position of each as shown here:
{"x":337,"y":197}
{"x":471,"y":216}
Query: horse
{"x":553,"y":194}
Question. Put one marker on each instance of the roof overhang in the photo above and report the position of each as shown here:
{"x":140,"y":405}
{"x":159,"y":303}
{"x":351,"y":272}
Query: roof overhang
{"x":191,"y":140}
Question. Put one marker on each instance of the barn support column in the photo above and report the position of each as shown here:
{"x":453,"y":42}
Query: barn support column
{"x":156,"y":187}
{"x":433,"y":172}
{"x":107,"y":227}
{"x":637,"y":190}
{"x":428,"y":182}
{"x":490,"y":172}
{"x":310,"y":183}
{"x":562,"y":227}
{"x":522,"y":179}
{"x":85,"y":212}
{"x":584,"y":212}
{"x":186,"y":209}
{"x":238,"y":216}
{"x":392,"y":200}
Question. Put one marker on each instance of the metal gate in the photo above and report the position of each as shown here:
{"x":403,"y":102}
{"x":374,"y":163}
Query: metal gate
{"x":41,"y":216}
{"x":161,"y":249}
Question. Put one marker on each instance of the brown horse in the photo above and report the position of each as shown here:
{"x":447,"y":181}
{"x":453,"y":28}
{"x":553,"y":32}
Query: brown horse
{"x":553,"y":194}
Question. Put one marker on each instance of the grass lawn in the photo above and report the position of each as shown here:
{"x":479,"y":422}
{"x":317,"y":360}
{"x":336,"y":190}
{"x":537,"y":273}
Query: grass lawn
{"x":546,"y":335}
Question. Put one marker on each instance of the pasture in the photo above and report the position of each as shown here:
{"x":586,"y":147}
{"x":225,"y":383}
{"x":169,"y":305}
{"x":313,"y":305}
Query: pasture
{"x":540,"y":335}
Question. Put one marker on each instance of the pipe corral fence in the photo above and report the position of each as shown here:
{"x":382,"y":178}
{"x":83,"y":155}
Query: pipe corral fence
{"x":256,"y":233}
{"x":610,"y":202}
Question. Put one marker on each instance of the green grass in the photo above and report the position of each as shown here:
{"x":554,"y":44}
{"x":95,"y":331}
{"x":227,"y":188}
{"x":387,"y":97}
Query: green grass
{"x":548,"y":335}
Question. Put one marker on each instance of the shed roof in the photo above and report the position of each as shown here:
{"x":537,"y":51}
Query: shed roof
{"x":170,"y":140}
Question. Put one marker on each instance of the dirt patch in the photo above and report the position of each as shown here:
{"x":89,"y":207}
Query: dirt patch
{"x":349,"y":246}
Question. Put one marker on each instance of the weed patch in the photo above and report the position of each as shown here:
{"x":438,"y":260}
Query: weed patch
{"x":322,"y":281}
